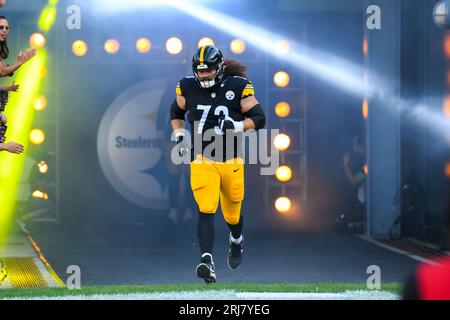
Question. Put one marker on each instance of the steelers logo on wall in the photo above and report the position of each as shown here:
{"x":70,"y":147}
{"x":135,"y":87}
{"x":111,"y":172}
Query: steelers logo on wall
{"x":128,"y":148}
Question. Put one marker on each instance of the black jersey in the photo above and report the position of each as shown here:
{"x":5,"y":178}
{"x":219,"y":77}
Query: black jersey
{"x":205,"y":107}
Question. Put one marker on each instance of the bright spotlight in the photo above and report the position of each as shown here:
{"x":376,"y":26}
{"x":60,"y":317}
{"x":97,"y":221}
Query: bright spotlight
{"x":174,"y":45}
{"x":365,"y":109}
{"x":283,"y":204}
{"x":237,"y":46}
{"x":447,"y":107}
{"x":79,"y":48}
{"x":284,"y":173}
{"x":37,"y":40}
{"x":47,"y":18}
{"x":282,"y":141}
{"x":447,"y":45}
{"x":282,"y":47}
{"x":112,"y":46}
{"x":322,"y":64}
{"x":44,"y":72}
{"x":447,"y":170}
{"x":339,"y":72}
{"x":143,"y":45}
{"x":365,"y":77}
{"x":39,"y":195}
{"x":20,"y":126}
{"x":365,"y":46}
{"x":282,"y":109}
{"x":43,"y":167}
{"x":40,"y":103}
{"x":37,"y":136}
{"x":281,"y":79}
{"x":205,"y":41}
{"x":102,"y":7}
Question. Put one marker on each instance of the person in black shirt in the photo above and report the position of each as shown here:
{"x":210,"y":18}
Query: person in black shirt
{"x":352,"y":215}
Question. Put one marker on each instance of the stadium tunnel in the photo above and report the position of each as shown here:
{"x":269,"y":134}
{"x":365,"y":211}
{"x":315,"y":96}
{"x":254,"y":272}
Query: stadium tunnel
{"x":324,"y":72}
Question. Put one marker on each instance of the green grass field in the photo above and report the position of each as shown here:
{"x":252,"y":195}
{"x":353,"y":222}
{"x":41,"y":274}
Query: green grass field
{"x":393,"y":288}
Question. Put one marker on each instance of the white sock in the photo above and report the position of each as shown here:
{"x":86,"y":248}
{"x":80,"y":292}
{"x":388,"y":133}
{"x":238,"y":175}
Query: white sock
{"x":236,"y":241}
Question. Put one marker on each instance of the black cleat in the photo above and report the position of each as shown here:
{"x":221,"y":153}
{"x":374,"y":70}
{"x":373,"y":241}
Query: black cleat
{"x":206,"y":270}
{"x":235,"y":255}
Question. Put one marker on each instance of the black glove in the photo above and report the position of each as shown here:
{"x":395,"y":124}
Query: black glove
{"x":182,"y":146}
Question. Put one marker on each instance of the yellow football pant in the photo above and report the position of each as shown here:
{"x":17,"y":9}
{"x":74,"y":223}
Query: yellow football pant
{"x":211,"y":181}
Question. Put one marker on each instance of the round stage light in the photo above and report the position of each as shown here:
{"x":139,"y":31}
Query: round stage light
{"x":282,"y":141}
{"x":281,"y":79}
{"x":365,"y":109}
{"x":37,"y":40}
{"x":37,"y":136}
{"x":237,"y":46}
{"x":40,"y":103}
{"x":79,"y":48}
{"x":447,"y":107}
{"x":447,"y":170}
{"x":282,"y":47}
{"x":43,"y":167}
{"x":39,"y":195}
{"x":143,"y":45}
{"x":112,"y":46}
{"x":284,"y":174}
{"x":283,"y":204}
{"x":205,"y":41}
{"x":447,"y":46}
{"x":441,"y":14}
{"x":282,"y":109}
{"x":174,"y":45}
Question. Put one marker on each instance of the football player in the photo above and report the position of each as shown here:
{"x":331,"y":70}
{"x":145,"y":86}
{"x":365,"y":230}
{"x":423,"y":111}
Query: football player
{"x":221,"y":103}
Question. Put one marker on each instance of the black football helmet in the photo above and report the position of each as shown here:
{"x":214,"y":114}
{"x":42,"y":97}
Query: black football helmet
{"x":205,"y":59}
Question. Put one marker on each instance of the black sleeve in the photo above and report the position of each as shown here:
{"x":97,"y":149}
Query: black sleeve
{"x":257,"y":115}
{"x":176,"y":113}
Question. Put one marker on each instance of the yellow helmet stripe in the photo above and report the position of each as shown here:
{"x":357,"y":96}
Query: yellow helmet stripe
{"x":202,"y":54}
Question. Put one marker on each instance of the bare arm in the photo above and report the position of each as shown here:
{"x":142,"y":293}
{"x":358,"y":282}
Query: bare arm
{"x":7,"y":70}
{"x":23,"y":57}
{"x":12,"y":147}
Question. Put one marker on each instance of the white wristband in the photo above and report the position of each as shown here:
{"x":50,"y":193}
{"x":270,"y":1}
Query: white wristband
{"x":238,"y":126}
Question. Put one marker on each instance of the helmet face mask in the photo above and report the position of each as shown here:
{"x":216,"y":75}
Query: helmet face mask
{"x":206,"y":82}
{"x":208,"y":58}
